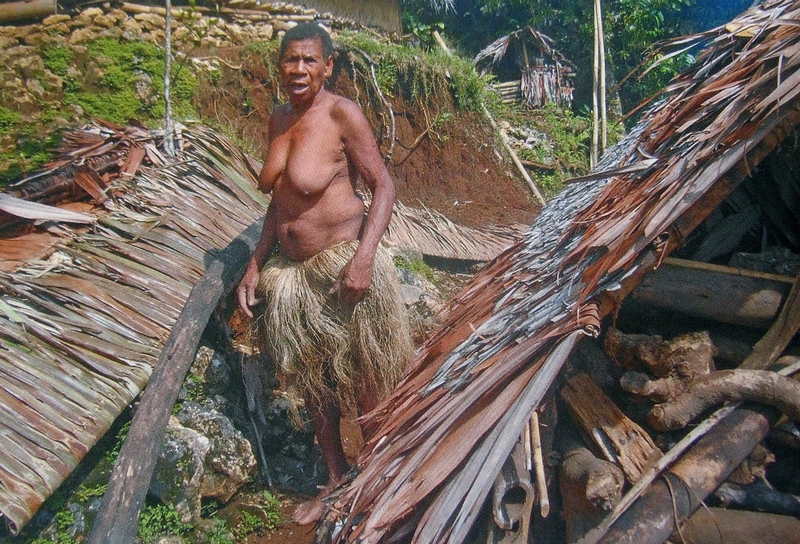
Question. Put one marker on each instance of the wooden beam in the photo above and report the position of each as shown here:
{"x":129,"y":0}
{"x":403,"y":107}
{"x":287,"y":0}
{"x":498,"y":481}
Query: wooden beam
{"x":117,"y":520}
{"x":28,"y":9}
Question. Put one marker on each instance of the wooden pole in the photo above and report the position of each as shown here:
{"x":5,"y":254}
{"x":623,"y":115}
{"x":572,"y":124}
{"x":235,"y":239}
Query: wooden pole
{"x":514,"y":158}
{"x":169,"y":131}
{"x":117,"y":520}
{"x":601,"y":43}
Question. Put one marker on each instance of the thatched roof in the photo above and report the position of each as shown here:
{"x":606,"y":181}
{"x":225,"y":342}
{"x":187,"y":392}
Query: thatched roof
{"x":381,"y":13}
{"x":545,"y":74}
{"x":446,"y":431}
{"x":88,"y":297}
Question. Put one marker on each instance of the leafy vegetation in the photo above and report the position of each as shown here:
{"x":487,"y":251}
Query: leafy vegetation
{"x":112,"y":453}
{"x":414,"y":73}
{"x":64,"y":522}
{"x":632,"y":27}
{"x":272,"y":510}
{"x":160,"y":520}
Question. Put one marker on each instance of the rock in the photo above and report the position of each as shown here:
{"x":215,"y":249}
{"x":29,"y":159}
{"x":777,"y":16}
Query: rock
{"x":208,"y":41}
{"x":181,"y":33}
{"x":283,"y":26}
{"x":155,"y":36}
{"x":410,"y":294}
{"x":236,"y":33}
{"x":105,"y":21}
{"x":86,"y":17}
{"x":150,"y":21}
{"x":229,"y":462}
{"x":266,"y":31}
{"x":8,"y":41}
{"x":118,"y":15}
{"x":59,"y":30}
{"x":37,"y":38}
{"x":35,"y":87}
{"x":179,"y":470}
{"x":85,"y":34}
{"x":54,"y":20}
{"x":131,"y":27}
{"x":29,"y":66}
{"x":22,"y":31}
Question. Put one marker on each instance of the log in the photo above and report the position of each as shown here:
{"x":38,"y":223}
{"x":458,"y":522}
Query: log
{"x":758,"y":496}
{"x":720,"y":293}
{"x":779,"y":334}
{"x":718,"y":525}
{"x":612,"y":433}
{"x":761,"y":386}
{"x":117,"y":520}
{"x":651,"y":518}
{"x":28,"y":9}
{"x":590,"y":487}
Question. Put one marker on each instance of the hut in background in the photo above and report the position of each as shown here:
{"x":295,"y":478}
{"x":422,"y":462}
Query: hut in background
{"x":545,"y":75}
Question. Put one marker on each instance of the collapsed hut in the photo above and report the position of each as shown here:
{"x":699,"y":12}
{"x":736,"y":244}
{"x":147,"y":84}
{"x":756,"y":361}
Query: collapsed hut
{"x":530,"y":69}
{"x":460,"y":435}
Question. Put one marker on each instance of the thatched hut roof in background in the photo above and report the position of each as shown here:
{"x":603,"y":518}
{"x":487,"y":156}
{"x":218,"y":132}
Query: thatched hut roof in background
{"x":545,"y":74}
{"x":446,"y":431}
{"x":381,"y":13}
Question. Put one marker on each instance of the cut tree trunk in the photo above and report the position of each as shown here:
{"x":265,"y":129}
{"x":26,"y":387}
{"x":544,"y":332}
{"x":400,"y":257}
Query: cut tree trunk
{"x":590,"y":487}
{"x":29,"y":9}
{"x":717,"y":525}
{"x":720,"y":293}
{"x":603,"y":425}
{"x":651,"y":518}
{"x":763,"y":386}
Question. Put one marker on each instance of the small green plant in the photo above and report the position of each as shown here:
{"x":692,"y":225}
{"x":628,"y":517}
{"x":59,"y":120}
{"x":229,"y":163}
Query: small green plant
{"x":272,"y":510}
{"x":64,"y":522}
{"x":112,"y":454}
{"x":86,"y":492}
{"x":219,"y":533}
{"x":57,"y":59}
{"x":8,"y":119}
{"x":161,"y":520}
{"x":416,"y":266}
{"x":249,"y":524}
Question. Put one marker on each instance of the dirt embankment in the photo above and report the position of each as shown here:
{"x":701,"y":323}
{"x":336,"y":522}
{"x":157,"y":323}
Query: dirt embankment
{"x":442,"y":159}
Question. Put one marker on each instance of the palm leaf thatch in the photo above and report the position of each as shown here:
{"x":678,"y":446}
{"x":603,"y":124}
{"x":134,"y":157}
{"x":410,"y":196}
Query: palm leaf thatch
{"x":446,"y":431}
{"x":86,"y":310}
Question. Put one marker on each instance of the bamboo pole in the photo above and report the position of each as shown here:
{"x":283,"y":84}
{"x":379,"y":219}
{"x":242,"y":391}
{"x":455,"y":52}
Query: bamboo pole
{"x":593,"y":155}
{"x":601,"y":42}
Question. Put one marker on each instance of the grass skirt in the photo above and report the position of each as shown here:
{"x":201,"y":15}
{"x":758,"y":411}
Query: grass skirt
{"x":320,"y":349}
